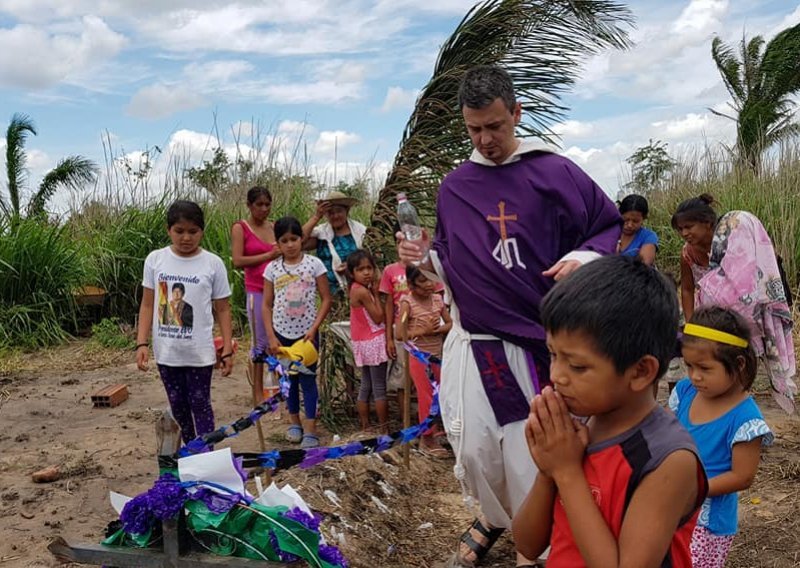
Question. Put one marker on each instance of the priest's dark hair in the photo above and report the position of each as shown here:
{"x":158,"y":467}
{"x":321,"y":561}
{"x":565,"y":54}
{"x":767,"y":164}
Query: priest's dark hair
{"x":628,"y":309}
{"x":182,"y":210}
{"x":483,"y":84}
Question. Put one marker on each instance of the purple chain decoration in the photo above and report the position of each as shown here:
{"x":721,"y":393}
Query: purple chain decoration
{"x":203,"y":443}
{"x":285,"y":459}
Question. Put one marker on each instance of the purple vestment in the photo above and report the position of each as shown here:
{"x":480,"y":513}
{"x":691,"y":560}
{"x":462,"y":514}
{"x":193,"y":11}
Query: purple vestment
{"x":498,"y":228}
{"x":542,"y":206}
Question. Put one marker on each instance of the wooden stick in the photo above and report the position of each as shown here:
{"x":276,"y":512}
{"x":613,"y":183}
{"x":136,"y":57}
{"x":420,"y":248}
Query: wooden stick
{"x":406,"y":404}
{"x":256,"y":401}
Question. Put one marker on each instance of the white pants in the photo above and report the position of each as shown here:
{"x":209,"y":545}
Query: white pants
{"x":498,"y":469}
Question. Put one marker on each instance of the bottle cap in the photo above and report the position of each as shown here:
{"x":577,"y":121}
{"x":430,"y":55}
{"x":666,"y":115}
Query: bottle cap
{"x":401,"y":197}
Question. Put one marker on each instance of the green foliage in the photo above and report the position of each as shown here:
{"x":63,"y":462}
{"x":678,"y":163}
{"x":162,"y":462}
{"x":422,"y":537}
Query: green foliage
{"x":17,"y":133}
{"x":541,"y":43}
{"x":212,"y":175}
{"x":650,"y":167}
{"x":109,"y":333}
{"x":762,"y":82}
{"x":41,"y":267}
{"x":71,"y":172}
{"x":117,"y":244}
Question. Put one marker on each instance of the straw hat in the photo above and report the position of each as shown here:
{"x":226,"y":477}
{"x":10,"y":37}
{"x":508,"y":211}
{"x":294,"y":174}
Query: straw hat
{"x":339,"y":198}
{"x":302,"y":351}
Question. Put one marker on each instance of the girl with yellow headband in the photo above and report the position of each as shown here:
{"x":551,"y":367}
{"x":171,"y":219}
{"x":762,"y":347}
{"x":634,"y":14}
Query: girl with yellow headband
{"x":714,"y":404}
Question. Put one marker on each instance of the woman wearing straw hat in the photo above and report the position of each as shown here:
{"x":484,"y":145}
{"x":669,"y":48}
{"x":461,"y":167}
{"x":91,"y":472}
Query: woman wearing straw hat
{"x":336,"y":239}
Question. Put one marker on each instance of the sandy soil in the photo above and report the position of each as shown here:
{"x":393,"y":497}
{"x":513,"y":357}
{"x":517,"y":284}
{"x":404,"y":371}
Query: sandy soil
{"x":389,"y":516}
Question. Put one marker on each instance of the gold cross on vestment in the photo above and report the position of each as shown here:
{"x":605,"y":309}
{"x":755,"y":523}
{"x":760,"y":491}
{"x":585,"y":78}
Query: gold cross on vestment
{"x":502,"y":220}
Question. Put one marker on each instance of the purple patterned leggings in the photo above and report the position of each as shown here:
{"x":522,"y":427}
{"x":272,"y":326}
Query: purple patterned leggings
{"x":189,"y":393}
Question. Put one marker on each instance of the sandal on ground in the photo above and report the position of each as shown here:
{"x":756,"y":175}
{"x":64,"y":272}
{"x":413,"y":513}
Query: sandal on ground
{"x":294,"y":434}
{"x":310,"y":441}
{"x":480,"y":550}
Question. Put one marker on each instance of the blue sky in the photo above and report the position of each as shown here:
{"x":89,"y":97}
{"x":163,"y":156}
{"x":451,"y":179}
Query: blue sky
{"x":340,"y":74}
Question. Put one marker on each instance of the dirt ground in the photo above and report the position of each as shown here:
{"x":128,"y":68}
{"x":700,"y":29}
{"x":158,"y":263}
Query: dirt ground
{"x":386,"y":515}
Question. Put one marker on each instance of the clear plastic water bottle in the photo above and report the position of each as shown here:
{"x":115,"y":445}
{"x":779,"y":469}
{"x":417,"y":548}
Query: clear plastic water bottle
{"x":409,"y":223}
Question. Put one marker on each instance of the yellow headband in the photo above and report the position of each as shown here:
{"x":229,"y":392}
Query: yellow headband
{"x":714,"y":335}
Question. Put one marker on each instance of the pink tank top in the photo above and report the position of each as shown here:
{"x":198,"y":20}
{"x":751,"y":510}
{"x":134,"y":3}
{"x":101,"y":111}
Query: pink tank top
{"x":362,"y":328}
{"x":253,"y":246}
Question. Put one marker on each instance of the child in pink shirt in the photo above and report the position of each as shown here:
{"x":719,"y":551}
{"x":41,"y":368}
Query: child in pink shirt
{"x":392,"y":288}
{"x":367,"y":334}
{"x":425,"y":321}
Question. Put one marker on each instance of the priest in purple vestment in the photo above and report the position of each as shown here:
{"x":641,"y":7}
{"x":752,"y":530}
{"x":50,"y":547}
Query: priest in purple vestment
{"x":510,"y":221}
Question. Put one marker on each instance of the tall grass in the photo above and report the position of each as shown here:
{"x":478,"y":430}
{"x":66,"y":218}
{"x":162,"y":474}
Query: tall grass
{"x":41,"y":268}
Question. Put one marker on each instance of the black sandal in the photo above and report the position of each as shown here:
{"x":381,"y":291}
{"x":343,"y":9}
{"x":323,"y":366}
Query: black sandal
{"x":480,"y":550}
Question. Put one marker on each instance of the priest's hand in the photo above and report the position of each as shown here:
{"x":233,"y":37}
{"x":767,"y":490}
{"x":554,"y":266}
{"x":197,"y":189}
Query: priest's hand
{"x":562,"y":269}
{"x":411,"y":252}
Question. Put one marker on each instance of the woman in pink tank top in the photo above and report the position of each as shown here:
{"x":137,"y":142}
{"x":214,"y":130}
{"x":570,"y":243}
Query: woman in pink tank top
{"x":252,"y":248}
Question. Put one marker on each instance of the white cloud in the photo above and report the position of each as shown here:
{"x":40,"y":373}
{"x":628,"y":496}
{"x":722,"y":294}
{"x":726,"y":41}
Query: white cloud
{"x":687,"y":126}
{"x":285,"y":27}
{"x":574,"y":129}
{"x":399,"y":98}
{"x":213,"y":73}
{"x":332,"y":172}
{"x":790,"y":20}
{"x":34,"y":58}
{"x":700,"y":17}
{"x":161,"y":100}
{"x":324,"y":92}
{"x":293,"y":128}
{"x":334,"y":140}
{"x":671,"y":61}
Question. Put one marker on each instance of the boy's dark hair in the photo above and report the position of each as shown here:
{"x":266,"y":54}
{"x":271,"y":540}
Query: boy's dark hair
{"x":182,"y":210}
{"x":481,"y":85}
{"x":355,"y":258}
{"x":634,"y":203}
{"x":257,"y":191}
{"x":179,"y":286}
{"x":412,"y":273}
{"x":729,"y":355}
{"x":627,"y":308}
{"x":288,"y":225}
{"x":697,"y":209}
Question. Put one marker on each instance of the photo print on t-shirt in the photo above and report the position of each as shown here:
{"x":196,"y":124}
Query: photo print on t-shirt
{"x":175,"y":313}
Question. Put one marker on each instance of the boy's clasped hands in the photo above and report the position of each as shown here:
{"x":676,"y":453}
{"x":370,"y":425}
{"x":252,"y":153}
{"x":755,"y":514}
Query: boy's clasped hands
{"x":556,"y":440}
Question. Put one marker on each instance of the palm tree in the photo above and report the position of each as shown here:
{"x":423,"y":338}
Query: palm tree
{"x":541,"y":43}
{"x":71,"y":172}
{"x":761,"y":82}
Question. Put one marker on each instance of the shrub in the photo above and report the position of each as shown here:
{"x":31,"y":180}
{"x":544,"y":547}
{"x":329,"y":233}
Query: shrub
{"x":41,"y":267}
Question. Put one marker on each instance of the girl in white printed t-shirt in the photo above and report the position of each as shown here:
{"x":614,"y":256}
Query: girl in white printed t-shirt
{"x":182,"y":283}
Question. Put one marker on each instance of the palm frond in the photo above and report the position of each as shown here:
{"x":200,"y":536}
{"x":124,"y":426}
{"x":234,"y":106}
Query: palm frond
{"x":541,"y":43}
{"x":751,"y":64}
{"x":729,"y":67}
{"x":17,"y":133}
{"x":762,"y":81}
{"x":71,"y":172}
{"x":780,"y":65}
